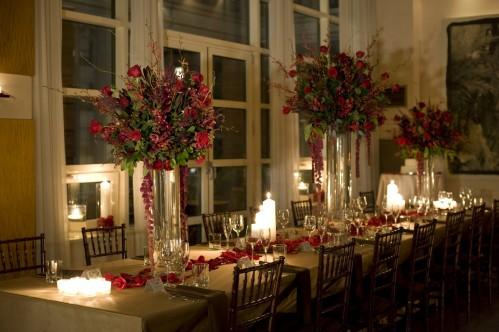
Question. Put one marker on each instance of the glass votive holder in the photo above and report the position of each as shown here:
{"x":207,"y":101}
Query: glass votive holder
{"x":279,"y":250}
{"x":53,"y":270}
{"x":201,"y":274}
{"x":215,"y":241}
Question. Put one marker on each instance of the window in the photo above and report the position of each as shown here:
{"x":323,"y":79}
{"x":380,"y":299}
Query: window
{"x":94,"y":44}
{"x":316,"y":22}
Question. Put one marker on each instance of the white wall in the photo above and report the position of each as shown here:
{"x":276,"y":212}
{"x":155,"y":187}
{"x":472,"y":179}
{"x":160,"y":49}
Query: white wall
{"x":413,"y":47}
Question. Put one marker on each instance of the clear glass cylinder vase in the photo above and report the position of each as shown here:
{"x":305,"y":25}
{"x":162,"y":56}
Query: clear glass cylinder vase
{"x":426,"y":183}
{"x":338,"y":173}
{"x":166,"y":213}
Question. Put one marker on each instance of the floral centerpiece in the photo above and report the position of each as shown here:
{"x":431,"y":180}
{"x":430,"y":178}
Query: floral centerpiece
{"x":160,"y":118}
{"x":427,"y":131}
{"x":338,"y":93}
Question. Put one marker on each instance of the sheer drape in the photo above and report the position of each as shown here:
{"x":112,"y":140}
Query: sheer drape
{"x":284,"y":129}
{"x":146,"y":26}
{"x":49,"y":122}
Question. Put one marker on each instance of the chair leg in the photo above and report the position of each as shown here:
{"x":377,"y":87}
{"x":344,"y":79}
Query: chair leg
{"x":489,"y":278}
{"x":427,"y":312}
{"x":408,"y":316}
{"x":442,"y":308}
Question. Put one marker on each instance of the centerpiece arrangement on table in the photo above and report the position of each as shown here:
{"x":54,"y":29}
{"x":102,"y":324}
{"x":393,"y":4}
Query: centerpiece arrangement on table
{"x":426,"y":132}
{"x":162,"y":119}
{"x":338,"y":96}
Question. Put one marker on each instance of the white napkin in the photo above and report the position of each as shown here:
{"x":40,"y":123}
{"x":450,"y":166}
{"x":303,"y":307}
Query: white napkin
{"x":245,"y":262}
{"x":91,"y":274}
{"x":155,"y":285}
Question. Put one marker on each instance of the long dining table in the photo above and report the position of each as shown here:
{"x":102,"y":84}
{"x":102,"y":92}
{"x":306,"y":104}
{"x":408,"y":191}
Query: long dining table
{"x":31,"y":304}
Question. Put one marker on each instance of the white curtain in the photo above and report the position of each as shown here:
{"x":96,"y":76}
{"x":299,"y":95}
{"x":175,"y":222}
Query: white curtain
{"x":284,"y":128}
{"x":49,"y":122}
{"x":357,"y":30}
{"x":146,"y":26}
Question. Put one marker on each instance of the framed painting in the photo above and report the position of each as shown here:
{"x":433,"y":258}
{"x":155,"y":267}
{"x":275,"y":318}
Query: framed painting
{"x":472,"y":84}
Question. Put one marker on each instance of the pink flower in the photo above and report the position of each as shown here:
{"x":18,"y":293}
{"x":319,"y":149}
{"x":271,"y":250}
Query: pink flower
{"x":106,"y":91}
{"x":135,"y":135}
{"x":95,"y":127}
{"x":359,"y":54}
{"x":332,"y":72}
{"x":119,"y":282}
{"x":395,"y":88}
{"x":202,"y":140}
{"x":154,"y":138}
{"x":324,"y":49}
{"x":134,"y":71}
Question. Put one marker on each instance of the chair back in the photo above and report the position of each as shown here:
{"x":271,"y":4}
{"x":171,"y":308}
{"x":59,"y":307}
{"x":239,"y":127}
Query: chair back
{"x":422,"y":248}
{"x":300,"y":209}
{"x":385,"y":265}
{"x":255,"y":287}
{"x":214,"y":223}
{"x":335,"y":265}
{"x":21,"y":254}
{"x":104,"y":241}
{"x":452,"y":242}
{"x":371,"y":205}
{"x":474,"y":243}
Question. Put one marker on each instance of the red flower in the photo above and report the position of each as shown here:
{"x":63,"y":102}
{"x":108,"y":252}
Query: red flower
{"x":395,"y":88}
{"x":365,"y":84}
{"x":134,"y":71}
{"x":421,"y":105}
{"x":419,"y":115}
{"x":167,"y":165}
{"x":360,"y":64}
{"x":286,"y":110}
{"x":95,"y":127}
{"x":324,"y":49}
{"x":292,"y":73}
{"x":332,"y":72}
{"x":157,"y":165}
{"x":119,"y":282}
{"x":307,"y":89}
{"x":360,"y":54}
{"x":354,"y":126}
{"x":197,"y":77}
{"x":124,"y":102}
{"x":385,"y":76}
{"x":135,"y":135}
{"x":200,"y":160}
{"x":401,"y":141}
{"x":202,"y":140}
{"x":106,"y":91}
{"x":179,"y":85}
{"x":426,"y":137}
{"x":368,"y":126}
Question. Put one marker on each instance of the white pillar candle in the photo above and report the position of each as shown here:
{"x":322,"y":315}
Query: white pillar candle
{"x":270,"y":218}
{"x":105,"y":199}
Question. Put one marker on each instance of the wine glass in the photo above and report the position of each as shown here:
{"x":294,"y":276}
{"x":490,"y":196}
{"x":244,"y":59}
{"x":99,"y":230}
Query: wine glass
{"x":265,"y":240}
{"x":385,"y":209}
{"x":252,"y":238}
{"x":396,"y":213}
{"x":283,"y":217}
{"x":309,"y":225}
{"x":227,"y":228}
{"x":362,"y":203}
{"x":237,"y":223}
{"x":321,"y":227}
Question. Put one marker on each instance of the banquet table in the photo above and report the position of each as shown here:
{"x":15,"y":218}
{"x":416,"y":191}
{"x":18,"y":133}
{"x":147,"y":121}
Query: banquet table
{"x":30,"y":304}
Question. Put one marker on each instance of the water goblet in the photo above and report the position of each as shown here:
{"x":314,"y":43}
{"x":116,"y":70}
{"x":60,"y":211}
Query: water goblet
{"x":227,"y":228}
{"x":237,"y":223}
{"x":309,"y":225}
{"x":321,"y":227}
{"x":362,"y":203}
{"x":386,"y":209}
{"x":265,"y":235}
{"x":283,"y":217}
{"x":252,"y":237}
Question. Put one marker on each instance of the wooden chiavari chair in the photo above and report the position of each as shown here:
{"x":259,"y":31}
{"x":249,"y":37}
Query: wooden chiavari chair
{"x":300,"y":209}
{"x":445,"y":262}
{"x":20,"y":254}
{"x":335,"y":265}
{"x":214,"y":223}
{"x":253,"y":288}
{"x":104,"y":241}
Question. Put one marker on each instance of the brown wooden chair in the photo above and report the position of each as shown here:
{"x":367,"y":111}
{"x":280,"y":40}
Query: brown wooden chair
{"x":418,"y":287}
{"x":471,"y":254}
{"x":255,"y":289}
{"x":487,"y":251}
{"x":445,"y":263}
{"x":335,"y":266}
{"x":214,"y":223}
{"x":20,"y":254}
{"x":300,"y":209}
{"x":371,"y":203}
{"x":383,"y":279}
{"x":104,"y":241}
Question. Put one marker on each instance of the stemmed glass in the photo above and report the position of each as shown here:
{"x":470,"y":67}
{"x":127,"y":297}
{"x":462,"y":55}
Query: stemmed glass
{"x":362,"y":204}
{"x":396,"y":213}
{"x":309,"y":225}
{"x":385,"y":209}
{"x":283,"y":217}
{"x":321,"y":227}
{"x":265,"y":240}
{"x":227,"y":228}
{"x":252,"y":239}
{"x":237,"y":223}
{"x":185,"y":251}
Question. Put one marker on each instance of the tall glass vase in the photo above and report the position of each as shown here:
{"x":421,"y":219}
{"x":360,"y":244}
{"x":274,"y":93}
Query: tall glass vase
{"x":426,"y":182}
{"x":166,"y":213}
{"x":338,"y":173}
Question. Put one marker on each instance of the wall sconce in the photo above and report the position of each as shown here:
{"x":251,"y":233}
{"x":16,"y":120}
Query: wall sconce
{"x":3,"y":94}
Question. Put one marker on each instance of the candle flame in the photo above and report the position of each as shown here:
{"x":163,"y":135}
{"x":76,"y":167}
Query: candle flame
{"x":268,"y":195}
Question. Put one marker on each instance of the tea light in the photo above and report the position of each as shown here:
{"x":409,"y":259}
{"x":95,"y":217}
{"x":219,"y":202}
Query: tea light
{"x":84,"y":287}
{"x":76,"y":212}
